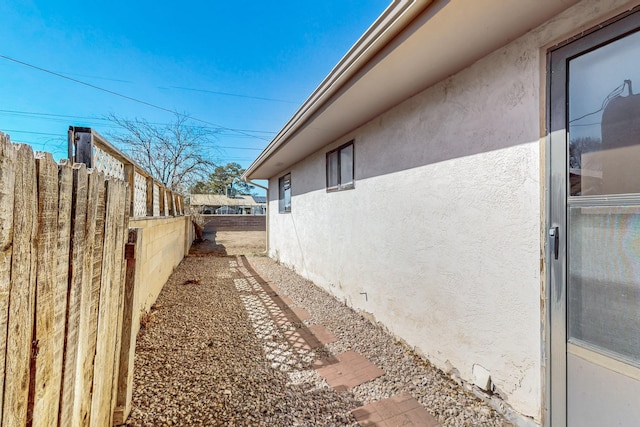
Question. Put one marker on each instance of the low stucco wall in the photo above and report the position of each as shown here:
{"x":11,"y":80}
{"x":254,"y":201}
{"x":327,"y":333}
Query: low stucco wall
{"x":440,"y":240}
{"x":160,"y":246}
{"x":164,"y":243}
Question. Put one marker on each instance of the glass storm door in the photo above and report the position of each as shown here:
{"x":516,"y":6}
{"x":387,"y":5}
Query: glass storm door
{"x":594,"y":228}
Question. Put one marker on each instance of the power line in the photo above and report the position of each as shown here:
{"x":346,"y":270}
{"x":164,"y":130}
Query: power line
{"x":33,"y":113}
{"x":98,"y":77}
{"x":111,"y":92}
{"x":240,"y":148}
{"x":60,"y":141}
{"x":613,"y":94}
{"x":230,"y":94}
{"x":61,"y":135}
{"x":32,"y":133}
{"x":60,"y":147}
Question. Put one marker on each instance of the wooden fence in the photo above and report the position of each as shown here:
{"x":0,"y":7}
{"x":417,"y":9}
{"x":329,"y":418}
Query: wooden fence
{"x":63,"y":232}
{"x":149,"y":196}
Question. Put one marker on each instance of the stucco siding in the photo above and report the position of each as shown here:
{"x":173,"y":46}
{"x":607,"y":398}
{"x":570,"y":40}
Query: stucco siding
{"x":440,"y":239}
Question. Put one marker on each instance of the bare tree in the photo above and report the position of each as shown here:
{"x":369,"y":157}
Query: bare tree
{"x":176,"y":154}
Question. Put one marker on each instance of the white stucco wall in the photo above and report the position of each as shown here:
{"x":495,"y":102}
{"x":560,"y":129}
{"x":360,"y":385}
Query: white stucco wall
{"x":442,"y":231}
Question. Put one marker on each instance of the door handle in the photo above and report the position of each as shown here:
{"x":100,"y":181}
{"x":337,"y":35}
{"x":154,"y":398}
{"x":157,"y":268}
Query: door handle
{"x":554,"y":233}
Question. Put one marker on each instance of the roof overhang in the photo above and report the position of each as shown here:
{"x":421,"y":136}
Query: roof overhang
{"x":413,"y":45}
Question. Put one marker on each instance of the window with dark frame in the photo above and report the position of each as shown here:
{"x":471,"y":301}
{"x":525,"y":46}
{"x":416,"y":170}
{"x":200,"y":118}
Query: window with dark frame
{"x":340,"y":168}
{"x":284,"y":201}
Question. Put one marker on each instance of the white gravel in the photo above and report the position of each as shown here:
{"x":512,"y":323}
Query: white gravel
{"x":211,"y":354}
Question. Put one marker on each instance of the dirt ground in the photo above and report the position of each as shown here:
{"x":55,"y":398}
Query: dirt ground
{"x":243,"y":242}
{"x":223,"y":243}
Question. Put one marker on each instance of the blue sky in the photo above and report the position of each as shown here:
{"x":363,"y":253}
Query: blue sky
{"x":242,"y":66}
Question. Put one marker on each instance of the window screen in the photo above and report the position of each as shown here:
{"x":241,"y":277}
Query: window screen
{"x":340,"y":165}
{"x":284,"y":203}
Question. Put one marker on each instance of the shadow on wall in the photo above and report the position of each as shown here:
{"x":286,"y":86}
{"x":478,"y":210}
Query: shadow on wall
{"x":487,"y":107}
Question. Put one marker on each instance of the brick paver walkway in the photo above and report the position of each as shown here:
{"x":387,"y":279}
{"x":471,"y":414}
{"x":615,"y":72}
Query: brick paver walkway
{"x":273,"y":313}
{"x":351,"y":370}
{"x":399,"y":410}
{"x":290,"y":354}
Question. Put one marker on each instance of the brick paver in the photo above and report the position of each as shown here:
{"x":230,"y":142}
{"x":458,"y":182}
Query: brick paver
{"x":351,"y":370}
{"x":322,"y":334}
{"x":301,"y":313}
{"x":286,"y":300}
{"x":398,"y":410}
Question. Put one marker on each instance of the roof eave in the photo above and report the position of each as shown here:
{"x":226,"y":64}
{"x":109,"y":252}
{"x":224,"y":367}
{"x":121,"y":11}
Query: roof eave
{"x":390,"y":23}
{"x":411,"y":47}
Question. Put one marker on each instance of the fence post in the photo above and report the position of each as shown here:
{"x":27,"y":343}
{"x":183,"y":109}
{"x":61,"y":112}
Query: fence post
{"x":129,"y":330}
{"x":163,"y":211}
{"x":130,"y":176}
{"x":150,"y":196}
{"x":83,"y":139}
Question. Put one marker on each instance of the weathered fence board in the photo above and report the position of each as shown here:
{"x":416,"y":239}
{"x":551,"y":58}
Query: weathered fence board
{"x":45,"y":404}
{"x":101,"y":403}
{"x":98,"y":254}
{"x":78,"y":224}
{"x":88,"y":305}
{"x":7,"y":180}
{"x":65,"y":197}
{"x":122,"y":239}
{"x":66,"y":344}
{"x":22,"y":292}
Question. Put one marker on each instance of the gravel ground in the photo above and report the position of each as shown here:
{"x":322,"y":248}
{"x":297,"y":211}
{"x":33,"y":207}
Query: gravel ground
{"x":210,"y":354}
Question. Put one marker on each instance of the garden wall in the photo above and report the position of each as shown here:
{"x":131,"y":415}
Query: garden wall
{"x":236,"y":222}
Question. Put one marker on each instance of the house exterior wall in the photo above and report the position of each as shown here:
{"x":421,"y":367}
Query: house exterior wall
{"x":440,"y":240}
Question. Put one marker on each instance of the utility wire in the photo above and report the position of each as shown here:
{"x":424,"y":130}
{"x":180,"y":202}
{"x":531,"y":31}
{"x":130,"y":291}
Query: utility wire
{"x":30,"y":132}
{"x":33,"y":113}
{"x":125,"y":96}
{"x":59,"y":142}
{"x":239,"y":148}
{"x":59,"y":135}
{"x":613,"y":94}
{"x":230,"y":94}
